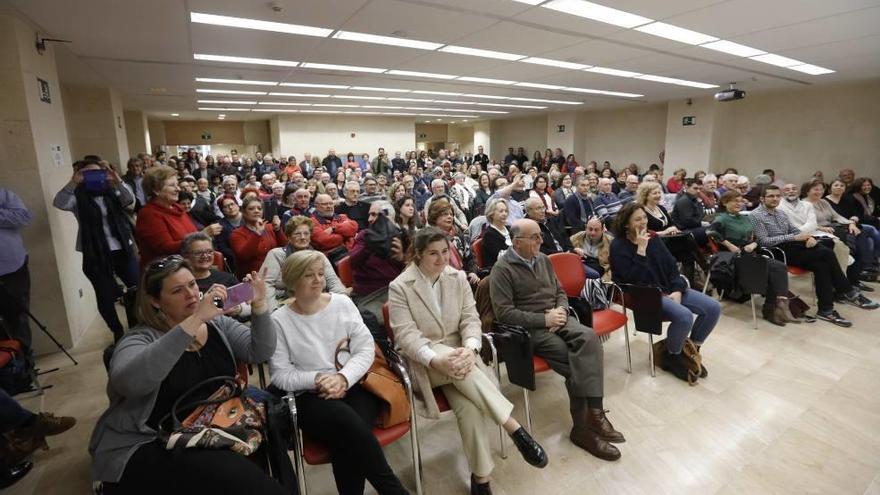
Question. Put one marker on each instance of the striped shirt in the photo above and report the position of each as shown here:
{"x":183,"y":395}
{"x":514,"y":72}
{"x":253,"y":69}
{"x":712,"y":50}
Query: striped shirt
{"x":772,"y":228}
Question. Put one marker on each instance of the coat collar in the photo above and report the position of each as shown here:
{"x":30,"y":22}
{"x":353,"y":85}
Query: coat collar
{"x":414,"y":279}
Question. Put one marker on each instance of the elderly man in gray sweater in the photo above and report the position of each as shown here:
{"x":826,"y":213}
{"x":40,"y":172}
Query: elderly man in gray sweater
{"x":525,"y":291}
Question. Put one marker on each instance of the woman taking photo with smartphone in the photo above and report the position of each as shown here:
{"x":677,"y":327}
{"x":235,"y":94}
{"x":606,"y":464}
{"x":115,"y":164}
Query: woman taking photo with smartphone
{"x":252,"y":241}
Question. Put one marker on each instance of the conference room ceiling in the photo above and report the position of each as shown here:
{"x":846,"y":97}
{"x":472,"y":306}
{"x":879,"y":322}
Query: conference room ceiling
{"x":146,"y":50}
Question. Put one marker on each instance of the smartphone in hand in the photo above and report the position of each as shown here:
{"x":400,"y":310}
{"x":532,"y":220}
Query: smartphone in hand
{"x":238,"y":294}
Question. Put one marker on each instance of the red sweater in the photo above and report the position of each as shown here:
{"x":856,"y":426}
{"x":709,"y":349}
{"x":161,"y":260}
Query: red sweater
{"x":159,"y":231}
{"x":250,"y":248}
{"x":344,"y":230}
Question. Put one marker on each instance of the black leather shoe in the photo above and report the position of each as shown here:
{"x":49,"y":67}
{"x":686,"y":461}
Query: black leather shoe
{"x":11,"y":475}
{"x":531,"y":451}
{"x":479,"y":488}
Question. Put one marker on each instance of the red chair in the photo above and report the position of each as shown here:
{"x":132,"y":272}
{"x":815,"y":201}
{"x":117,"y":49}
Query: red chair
{"x":219,"y":261}
{"x":343,"y":267}
{"x":311,"y":452}
{"x":477,"y":249}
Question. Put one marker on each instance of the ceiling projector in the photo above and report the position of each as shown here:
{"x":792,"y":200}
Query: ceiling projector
{"x":730,"y":94}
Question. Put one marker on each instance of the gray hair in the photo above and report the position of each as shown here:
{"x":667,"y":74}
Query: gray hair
{"x":193,"y":238}
{"x":492,"y":207}
{"x":438,"y":182}
{"x":384,"y":207}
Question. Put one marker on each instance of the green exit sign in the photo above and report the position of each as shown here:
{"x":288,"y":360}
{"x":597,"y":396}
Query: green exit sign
{"x":689,"y":120}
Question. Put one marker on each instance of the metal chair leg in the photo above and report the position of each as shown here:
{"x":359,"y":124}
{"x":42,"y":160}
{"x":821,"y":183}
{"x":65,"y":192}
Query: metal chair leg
{"x":297,"y":446}
{"x":651,"y":353}
{"x":629,"y":363}
{"x":416,"y":452}
{"x":528,"y":410}
{"x":754,"y":314}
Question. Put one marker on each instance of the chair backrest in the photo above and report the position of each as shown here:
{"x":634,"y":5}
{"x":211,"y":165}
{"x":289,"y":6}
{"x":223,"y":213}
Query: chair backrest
{"x":386,"y":315}
{"x":343,"y":267}
{"x":477,"y":249}
{"x":219,"y":262}
{"x":570,"y":272}
{"x":646,"y":305}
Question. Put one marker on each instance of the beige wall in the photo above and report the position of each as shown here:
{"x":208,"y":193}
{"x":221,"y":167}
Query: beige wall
{"x":567,"y":138}
{"x":462,"y":136}
{"x":190,"y":132}
{"x":621,"y":136}
{"x":316,"y":134}
{"x":95,"y":123}
{"x":432,"y":133}
{"x":137,"y":134}
{"x":483,"y":136}
{"x":156,"y":129}
{"x":799,"y":132}
{"x":256,"y":134}
{"x":528,"y":132}
{"x":28,"y":127}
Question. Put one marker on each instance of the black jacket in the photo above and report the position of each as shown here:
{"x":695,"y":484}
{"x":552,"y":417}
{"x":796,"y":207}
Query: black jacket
{"x":688,"y":212}
{"x":553,"y":232}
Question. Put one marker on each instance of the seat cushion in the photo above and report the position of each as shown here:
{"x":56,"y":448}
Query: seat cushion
{"x":607,"y":321}
{"x":540,"y":364}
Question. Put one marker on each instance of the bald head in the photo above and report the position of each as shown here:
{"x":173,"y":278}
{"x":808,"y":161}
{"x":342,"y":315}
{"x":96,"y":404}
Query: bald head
{"x":535,"y":209}
{"x":324,"y":205}
{"x":526,"y":236}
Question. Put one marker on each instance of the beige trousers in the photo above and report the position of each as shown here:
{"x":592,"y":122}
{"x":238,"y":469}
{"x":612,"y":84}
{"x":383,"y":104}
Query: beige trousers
{"x":473,"y":399}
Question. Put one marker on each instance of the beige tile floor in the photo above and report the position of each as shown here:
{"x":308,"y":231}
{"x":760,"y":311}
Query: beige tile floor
{"x":792,"y":410}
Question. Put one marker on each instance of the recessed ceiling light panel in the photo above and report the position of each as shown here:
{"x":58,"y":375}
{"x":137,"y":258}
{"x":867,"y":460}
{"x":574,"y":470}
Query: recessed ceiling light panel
{"x":676,"y":33}
{"x":245,"y":23}
{"x":386,"y":40}
{"x":245,"y":60}
{"x":476,"y":52}
{"x":733,"y":48}
{"x":598,"y":12}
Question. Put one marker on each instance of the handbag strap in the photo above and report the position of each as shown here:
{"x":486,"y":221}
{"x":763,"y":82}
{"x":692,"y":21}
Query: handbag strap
{"x":344,"y":345}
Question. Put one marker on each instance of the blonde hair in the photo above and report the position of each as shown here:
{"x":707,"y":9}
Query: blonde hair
{"x":296,"y":265}
{"x":492,"y":208}
{"x":155,"y":177}
{"x":646,"y":188}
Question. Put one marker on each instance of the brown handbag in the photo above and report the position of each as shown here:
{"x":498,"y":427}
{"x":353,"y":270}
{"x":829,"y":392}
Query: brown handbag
{"x":382,"y":382}
{"x":692,"y":358}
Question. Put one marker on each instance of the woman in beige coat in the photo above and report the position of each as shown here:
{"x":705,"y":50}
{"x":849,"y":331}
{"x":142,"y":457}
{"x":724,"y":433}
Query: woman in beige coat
{"x":436,"y":326}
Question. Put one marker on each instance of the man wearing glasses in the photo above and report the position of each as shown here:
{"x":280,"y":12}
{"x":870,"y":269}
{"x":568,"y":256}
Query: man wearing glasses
{"x":525,"y":291}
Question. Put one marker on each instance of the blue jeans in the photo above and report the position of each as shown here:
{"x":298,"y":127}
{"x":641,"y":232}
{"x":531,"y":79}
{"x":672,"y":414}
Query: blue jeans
{"x":682,"y":321}
{"x":590,"y":272}
{"x":872,"y":233}
{"x":12,"y":415}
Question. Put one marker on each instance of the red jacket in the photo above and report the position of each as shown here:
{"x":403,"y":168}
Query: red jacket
{"x":160,"y":230}
{"x":344,"y":230}
{"x":250,"y":248}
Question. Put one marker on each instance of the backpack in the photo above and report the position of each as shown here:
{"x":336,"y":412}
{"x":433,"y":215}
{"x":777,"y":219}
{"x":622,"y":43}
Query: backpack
{"x":722,"y":271}
{"x":692,"y":359}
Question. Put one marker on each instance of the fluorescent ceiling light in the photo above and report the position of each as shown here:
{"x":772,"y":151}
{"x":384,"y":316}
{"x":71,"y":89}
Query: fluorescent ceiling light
{"x":279,"y":110}
{"x":613,"y":72}
{"x":301,"y":95}
{"x":421,"y":108}
{"x":231,"y":91}
{"x":676,"y":33}
{"x":244,"y":23}
{"x":554,"y":63}
{"x":733,"y":48}
{"x":310,"y":85}
{"x":491,"y":97}
{"x":336,"y":105}
{"x":285,"y":103}
{"x":476,"y":52}
{"x":420,"y":100}
{"x":598,"y":12}
{"x":402,"y":114}
{"x":386,"y":107}
{"x":413,"y":73}
{"x":213,"y":109}
{"x":386,"y":40}
{"x":456,"y":102}
{"x":603,"y":92}
{"x":318,"y":111}
{"x":227,"y":102}
{"x":236,"y":81}
{"x":486,"y":80}
{"x":505,"y":105}
{"x":175,"y":115}
{"x":539,"y":100}
{"x":777,"y":60}
{"x":349,"y":68}
{"x":677,"y":82}
{"x":348,"y":97}
{"x":441,"y":93}
{"x":363,"y":113}
{"x":814,"y":70}
{"x":539,"y":86}
{"x":371,"y":88}
{"x":245,"y":60}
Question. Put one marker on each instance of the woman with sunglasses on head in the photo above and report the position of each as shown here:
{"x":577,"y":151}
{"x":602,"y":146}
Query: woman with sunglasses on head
{"x":183,"y":339}
{"x":198,"y":250}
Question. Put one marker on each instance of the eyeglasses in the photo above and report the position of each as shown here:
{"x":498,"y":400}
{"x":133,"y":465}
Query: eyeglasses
{"x":166,"y":262}
{"x":207,"y":253}
{"x":533,"y":237}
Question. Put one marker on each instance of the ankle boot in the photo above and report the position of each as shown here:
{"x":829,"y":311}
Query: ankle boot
{"x":773,"y":314}
{"x":600,"y":425}
{"x":785,"y":311}
{"x":583,"y":437}
{"x":674,"y":363}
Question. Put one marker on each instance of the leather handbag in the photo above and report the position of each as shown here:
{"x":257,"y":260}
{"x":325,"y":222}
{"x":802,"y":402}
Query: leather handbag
{"x":225,"y":420}
{"x":382,"y":382}
{"x":692,"y":358}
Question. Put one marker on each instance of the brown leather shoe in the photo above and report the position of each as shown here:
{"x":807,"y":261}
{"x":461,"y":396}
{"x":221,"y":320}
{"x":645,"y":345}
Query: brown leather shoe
{"x":774,"y":315}
{"x":599,"y":424}
{"x":588,"y":440}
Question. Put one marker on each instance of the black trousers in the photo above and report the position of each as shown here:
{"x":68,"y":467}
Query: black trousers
{"x":107,"y":289}
{"x":15,"y":299}
{"x":152,"y":469}
{"x":345,"y":426}
{"x":821,"y":261}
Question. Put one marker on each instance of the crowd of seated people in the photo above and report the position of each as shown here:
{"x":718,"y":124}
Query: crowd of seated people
{"x":174,"y":229}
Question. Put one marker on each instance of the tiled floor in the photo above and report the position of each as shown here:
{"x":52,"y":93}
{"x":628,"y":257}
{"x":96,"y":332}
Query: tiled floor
{"x":786,"y":410}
